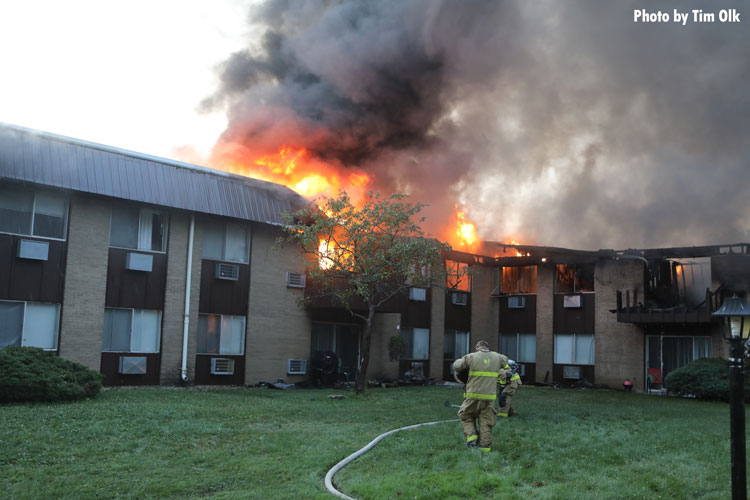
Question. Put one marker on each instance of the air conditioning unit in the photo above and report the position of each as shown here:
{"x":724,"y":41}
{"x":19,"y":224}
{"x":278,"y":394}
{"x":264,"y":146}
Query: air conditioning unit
{"x":33,"y":250}
{"x":133,"y":365}
{"x":296,"y":366}
{"x":139,"y":262}
{"x":222,"y":366}
{"x":573,"y":372}
{"x":295,"y":280}
{"x":460,"y":299}
{"x":227,"y":272}
{"x":516,"y":302}
{"x":418,"y":294}
{"x":572,"y":301}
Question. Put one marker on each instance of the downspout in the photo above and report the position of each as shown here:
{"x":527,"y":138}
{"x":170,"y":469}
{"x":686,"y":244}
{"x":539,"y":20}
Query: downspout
{"x":187,"y":300}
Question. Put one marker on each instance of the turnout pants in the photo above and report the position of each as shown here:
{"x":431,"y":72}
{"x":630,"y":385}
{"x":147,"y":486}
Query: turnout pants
{"x":477,"y":419}
{"x":506,"y":402}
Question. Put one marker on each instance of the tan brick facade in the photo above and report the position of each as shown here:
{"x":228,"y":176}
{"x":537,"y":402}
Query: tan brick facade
{"x":485,"y":314}
{"x":544,"y":321}
{"x":437,"y":331}
{"x":85,"y":281}
{"x":619,"y":346}
{"x":174,"y":299}
{"x":278,"y":328}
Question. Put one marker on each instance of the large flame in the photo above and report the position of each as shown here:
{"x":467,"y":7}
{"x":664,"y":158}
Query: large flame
{"x":462,"y":233}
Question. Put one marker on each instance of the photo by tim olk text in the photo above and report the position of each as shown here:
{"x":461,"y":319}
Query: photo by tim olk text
{"x":693,"y":16}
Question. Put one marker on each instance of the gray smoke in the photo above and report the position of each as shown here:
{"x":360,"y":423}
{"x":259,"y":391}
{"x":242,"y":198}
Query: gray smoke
{"x":554,"y":123}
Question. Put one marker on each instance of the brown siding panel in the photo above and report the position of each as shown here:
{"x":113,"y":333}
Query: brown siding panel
{"x":135,"y":289}
{"x":110,"y":366}
{"x":219,"y":296}
{"x":518,"y":320}
{"x":457,"y":317}
{"x":31,"y":280}
{"x":574,"y":320}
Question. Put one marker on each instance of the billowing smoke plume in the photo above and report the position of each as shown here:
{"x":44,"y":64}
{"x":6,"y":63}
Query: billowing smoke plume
{"x":554,"y":123}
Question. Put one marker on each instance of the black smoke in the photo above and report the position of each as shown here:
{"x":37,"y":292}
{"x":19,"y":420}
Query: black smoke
{"x":555,"y":123}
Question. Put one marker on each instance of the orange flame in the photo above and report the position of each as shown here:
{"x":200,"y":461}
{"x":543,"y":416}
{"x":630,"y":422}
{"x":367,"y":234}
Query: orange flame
{"x":463,"y":236}
{"x":323,"y":252}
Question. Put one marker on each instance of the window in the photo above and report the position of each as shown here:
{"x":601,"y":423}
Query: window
{"x":32,"y":324}
{"x":666,"y":352}
{"x":131,"y":330}
{"x":417,"y":342}
{"x":227,"y":242}
{"x":576,"y":278}
{"x":455,"y":344}
{"x":519,"y":279}
{"x":457,"y":276}
{"x":574,"y":348}
{"x":33,"y":214}
{"x":519,"y":346}
{"x":139,"y":229}
{"x":221,"y":334}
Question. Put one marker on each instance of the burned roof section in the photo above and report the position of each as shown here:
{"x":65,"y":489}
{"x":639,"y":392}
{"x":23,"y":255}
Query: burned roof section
{"x":61,"y":162}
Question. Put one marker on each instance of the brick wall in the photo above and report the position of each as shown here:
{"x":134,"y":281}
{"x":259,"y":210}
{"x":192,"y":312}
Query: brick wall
{"x":174,"y":299}
{"x":485,"y":314}
{"x":85,"y":281}
{"x":619,"y":346}
{"x":277,"y":327}
{"x":437,"y":331}
{"x":544,"y":317}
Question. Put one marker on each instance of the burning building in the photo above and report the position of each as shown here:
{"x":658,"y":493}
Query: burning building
{"x":156,"y":272}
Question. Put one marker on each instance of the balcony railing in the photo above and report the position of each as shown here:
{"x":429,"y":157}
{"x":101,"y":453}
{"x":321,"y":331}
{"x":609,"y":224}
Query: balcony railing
{"x":635,"y":312}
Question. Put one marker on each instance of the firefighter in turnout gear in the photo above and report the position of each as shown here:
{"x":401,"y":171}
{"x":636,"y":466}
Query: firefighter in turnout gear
{"x":508,"y":382}
{"x":477,"y":413}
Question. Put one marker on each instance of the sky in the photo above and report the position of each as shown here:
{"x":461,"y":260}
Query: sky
{"x":572,"y":124}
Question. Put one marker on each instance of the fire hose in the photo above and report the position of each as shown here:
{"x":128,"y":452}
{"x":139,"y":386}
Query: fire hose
{"x":357,"y":454}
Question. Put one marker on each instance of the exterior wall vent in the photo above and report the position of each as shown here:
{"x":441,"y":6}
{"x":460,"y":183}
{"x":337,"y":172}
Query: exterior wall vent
{"x":418,"y":294}
{"x":132,"y":365}
{"x":460,"y":299}
{"x":573,"y":372}
{"x":296,"y":280}
{"x":572,"y":301}
{"x":222,"y":366}
{"x":516,"y":302}
{"x":139,"y":261}
{"x":227,"y":272}
{"x":33,"y":250}
{"x":296,"y":366}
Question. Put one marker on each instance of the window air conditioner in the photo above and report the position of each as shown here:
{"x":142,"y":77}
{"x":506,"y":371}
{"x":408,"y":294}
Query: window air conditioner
{"x":227,"y":272}
{"x":132,"y":365}
{"x":573,"y":372}
{"x":418,"y":294}
{"x":516,"y":302}
{"x":296,"y":366}
{"x":295,"y":280}
{"x":139,"y":262}
{"x":460,"y":299}
{"x":33,"y":250}
{"x":222,"y":366}
{"x":572,"y":301}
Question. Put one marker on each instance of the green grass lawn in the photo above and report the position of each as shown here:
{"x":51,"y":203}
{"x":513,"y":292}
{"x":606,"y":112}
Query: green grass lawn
{"x":268,"y":444}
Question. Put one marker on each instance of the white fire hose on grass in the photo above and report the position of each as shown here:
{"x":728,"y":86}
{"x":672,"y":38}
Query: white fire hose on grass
{"x":357,"y":454}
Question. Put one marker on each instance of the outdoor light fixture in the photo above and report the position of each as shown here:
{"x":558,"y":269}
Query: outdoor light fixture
{"x":737,"y":314}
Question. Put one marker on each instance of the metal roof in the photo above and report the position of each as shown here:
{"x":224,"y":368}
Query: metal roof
{"x":62,"y":162}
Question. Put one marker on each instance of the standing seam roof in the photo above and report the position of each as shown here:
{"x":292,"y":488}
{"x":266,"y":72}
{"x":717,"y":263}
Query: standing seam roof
{"x":63,"y":162}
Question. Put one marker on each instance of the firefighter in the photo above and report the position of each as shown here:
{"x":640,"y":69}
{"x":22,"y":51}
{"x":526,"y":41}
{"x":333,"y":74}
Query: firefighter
{"x":509,"y":381}
{"x":477,"y":413}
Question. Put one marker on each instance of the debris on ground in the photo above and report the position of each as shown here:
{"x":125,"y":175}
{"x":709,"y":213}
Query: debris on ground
{"x":335,"y":396}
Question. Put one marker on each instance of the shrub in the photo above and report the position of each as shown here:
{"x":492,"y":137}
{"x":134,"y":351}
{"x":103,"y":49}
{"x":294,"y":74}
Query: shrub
{"x":33,"y":374}
{"x":706,"y":378}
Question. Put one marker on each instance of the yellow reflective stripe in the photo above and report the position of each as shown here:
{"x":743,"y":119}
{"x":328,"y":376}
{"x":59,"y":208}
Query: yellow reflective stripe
{"x":484,"y":449}
{"x":482,"y":374}
{"x":490,"y":397}
{"x":472,"y":438}
{"x":516,"y":377}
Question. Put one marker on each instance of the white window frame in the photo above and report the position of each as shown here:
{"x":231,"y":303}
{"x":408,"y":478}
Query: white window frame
{"x":132,"y":321}
{"x":33,"y":215}
{"x":516,"y":356}
{"x":56,"y":338}
{"x":141,"y":211}
{"x":574,"y":354}
{"x":221,"y":323}
{"x":248,"y":241}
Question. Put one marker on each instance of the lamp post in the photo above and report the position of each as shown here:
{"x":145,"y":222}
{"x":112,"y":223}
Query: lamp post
{"x":737,"y":314}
